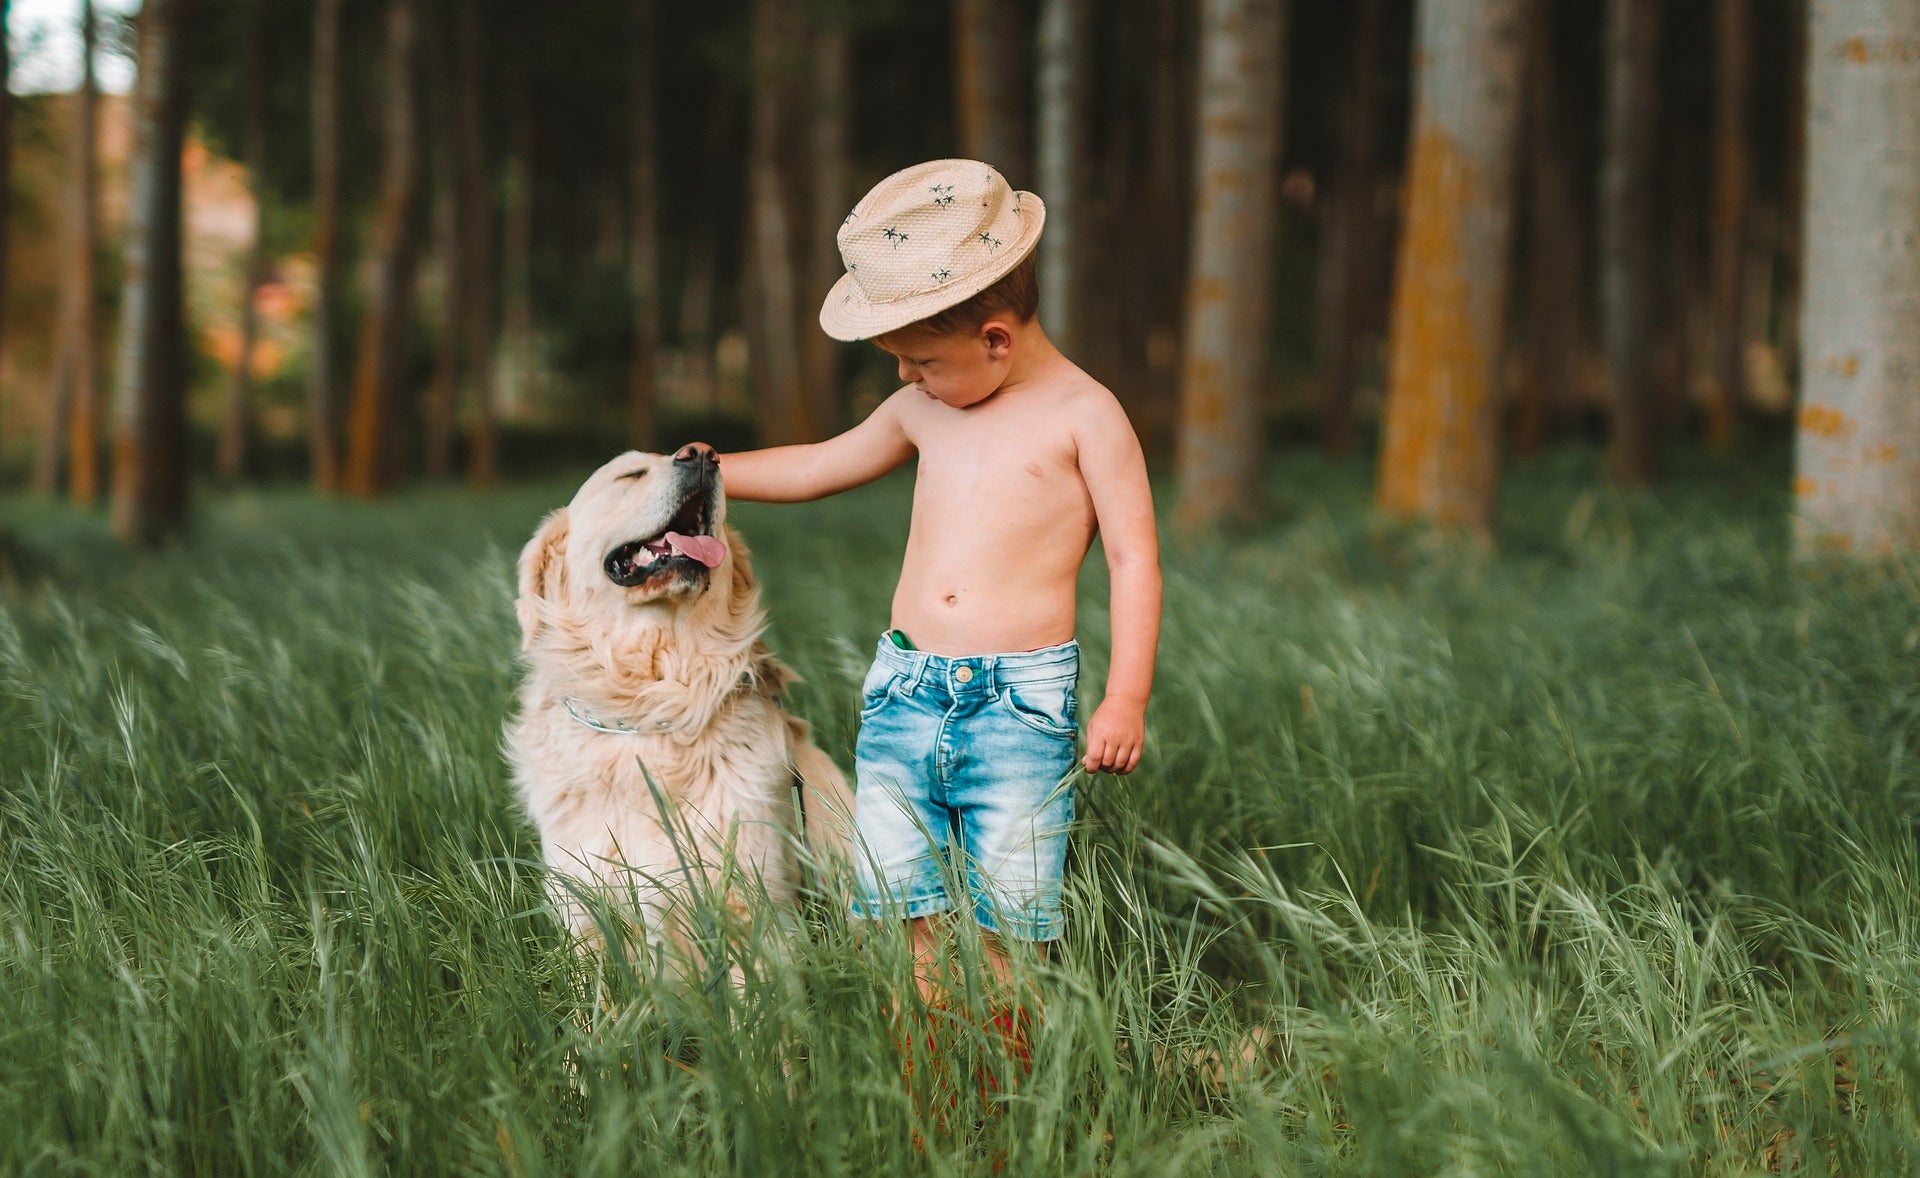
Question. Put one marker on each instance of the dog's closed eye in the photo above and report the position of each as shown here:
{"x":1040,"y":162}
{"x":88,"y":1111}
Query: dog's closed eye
{"x":632,"y":474}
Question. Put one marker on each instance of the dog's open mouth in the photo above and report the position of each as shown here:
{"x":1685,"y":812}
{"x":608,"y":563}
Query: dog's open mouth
{"x":687,"y":538}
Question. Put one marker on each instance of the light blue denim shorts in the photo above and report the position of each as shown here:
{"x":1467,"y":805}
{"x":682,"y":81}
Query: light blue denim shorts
{"x":962,"y":768}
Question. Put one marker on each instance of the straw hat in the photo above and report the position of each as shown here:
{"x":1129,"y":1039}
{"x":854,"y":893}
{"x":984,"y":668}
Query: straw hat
{"x":926,"y":239}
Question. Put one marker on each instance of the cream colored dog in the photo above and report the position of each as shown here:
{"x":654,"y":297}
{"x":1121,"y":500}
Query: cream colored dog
{"x":641,"y":627}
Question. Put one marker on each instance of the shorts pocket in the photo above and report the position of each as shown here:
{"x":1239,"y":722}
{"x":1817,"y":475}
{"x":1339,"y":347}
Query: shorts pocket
{"x":1046,"y":707}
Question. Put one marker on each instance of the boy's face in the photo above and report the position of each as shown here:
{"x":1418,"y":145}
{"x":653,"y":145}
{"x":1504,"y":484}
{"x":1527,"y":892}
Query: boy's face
{"x":961,"y":369}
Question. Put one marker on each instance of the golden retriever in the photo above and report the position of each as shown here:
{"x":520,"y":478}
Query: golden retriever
{"x":641,"y":625}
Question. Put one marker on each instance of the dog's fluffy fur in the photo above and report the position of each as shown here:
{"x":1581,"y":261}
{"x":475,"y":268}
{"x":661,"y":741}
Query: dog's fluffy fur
{"x":674,"y":654}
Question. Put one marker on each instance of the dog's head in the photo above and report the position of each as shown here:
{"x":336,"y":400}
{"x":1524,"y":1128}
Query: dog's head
{"x":643,"y":540}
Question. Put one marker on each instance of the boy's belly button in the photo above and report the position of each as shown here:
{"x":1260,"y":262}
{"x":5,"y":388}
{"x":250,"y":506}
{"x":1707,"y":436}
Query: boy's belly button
{"x":953,"y":599}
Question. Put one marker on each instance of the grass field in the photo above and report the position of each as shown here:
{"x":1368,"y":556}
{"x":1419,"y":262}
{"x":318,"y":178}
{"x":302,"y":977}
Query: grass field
{"x":1597,"y":854}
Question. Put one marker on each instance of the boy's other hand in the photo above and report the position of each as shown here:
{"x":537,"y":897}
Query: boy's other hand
{"x":1115,"y":737}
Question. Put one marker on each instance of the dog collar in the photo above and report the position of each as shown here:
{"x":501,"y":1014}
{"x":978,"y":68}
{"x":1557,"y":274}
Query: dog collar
{"x":616,"y":728}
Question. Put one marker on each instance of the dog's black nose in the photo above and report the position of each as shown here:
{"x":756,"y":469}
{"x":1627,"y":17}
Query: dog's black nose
{"x":698,"y":455}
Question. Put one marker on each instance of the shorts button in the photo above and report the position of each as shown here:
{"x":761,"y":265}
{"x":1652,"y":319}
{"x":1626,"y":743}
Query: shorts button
{"x":964,"y":674}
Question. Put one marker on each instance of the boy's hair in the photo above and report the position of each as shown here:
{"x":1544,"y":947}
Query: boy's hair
{"x":1018,"y":292}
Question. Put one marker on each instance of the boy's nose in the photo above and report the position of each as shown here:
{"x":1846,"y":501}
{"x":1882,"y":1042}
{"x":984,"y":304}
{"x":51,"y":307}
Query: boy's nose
{"x":908,"y":373}
{"x":698,"y":455}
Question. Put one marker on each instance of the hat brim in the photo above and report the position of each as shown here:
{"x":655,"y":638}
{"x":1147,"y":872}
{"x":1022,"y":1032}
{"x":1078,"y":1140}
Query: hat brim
{"x":847,"y":314}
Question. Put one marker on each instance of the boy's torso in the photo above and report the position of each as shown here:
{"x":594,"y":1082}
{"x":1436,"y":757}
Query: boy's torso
{"x":1001,"y":521}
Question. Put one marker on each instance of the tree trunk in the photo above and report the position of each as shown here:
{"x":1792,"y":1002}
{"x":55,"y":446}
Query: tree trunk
{"x":772,"y":315}
{"x":987,"y":74}
{"x":643,"y":251}
{"x":1060,"y":159}
{"x":1627,"y":232}
{"x":236,"y":423}
{"x":323,"y":396}
{"x":74,"y":403}
{"x":1858,"y":452}
{"x":379,"y":367}
{"x":6,"y":160}
{"x":830,"y":166}
{"x":474,"y":299}
{"x":516,"y":393}
{"x":1732,"y":191}
{"x":441,"y":416}
{"x":1793,"y":199}
{"x":1555,"y":249}
{"x":150,"y":418}
{"x":1346,"y":261}
{"x":1439,"y":458}
{"x":1230,"y":283}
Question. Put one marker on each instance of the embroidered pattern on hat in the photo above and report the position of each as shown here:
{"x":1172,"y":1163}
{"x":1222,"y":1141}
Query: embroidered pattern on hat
{"x":942,"y":275}
{"x":992,"y":242}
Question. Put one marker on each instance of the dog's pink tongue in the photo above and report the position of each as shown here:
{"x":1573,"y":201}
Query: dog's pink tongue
{"x":705,"y":549}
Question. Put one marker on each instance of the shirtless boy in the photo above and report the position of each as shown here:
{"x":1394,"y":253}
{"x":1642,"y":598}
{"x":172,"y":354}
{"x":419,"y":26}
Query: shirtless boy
{"x":967,"y":729}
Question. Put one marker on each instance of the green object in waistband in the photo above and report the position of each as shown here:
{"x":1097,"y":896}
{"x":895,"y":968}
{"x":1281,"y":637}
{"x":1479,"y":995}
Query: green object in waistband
{"x":901,"y":640}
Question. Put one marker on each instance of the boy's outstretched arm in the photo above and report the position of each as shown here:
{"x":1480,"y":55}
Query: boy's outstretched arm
{"x":791,"y":474}
{"x":1116,"y":475}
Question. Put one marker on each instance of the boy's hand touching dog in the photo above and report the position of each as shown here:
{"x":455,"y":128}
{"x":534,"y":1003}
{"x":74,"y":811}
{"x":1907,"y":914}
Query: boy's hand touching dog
{"x":1116,"y":736}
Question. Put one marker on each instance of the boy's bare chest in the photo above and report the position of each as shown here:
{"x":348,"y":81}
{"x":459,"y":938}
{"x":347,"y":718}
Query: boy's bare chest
{"x":1007,"y":453}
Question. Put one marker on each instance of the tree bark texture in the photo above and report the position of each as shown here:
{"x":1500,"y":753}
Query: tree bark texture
{"x":474,"y":299}
{"x":1731,"y":221}
{"x":236,"y":424}
{"x":829,"y":164}
{"x":987,"y":78}
{"x":643,"y":248}
{"x":1060,"y":120}
{"x":1230,"y":281}
{"x":379,"y":366}
{"x":74,"y":416}
{"x":323,"y":381}
{"x":1439,"y":457}
{"x":1345,"y":265}
{"x":1629,"y":137}
{"x":772,"y":318}
{"x":150,"y":418}
{"x":1857,"y":481}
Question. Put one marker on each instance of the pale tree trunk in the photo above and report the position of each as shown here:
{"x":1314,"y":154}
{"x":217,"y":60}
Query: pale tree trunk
{"x":323,"y":382}
{"x":1060,"y":161}
{"x":643,"y":250}
{"x":75,"y":403}
{"x":829,"y":166}
{"x":1439,"y":460}
{"x":474,"y":299}
{"x":987,"y":74}
{"x":440,"y":414}
{"x":1555,"y":245}
{"x":1345,"y":265}
{"x":772,"y":315}
{"x":1230,"y":280}
{"x":150,"y":408}
{"x":1857,"y":483}
{"x":1732,"y":193}
{"x":373,"y":417}
{"x":236,"y":424}
{"x":1630,"y":134}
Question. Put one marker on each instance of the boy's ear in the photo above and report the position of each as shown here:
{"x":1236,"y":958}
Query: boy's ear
{"x":998,"y":336}
{"x":543,"y":573}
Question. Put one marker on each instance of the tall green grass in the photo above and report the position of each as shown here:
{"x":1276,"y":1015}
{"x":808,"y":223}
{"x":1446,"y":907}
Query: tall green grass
{"x":1597,"y":853}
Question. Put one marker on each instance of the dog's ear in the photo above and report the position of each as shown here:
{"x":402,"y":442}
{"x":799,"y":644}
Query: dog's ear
{"x":543,"y":573}
{"x":741,"y":587}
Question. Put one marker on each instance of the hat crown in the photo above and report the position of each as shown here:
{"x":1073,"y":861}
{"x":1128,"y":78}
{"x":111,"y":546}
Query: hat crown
{"x":929,"y":227}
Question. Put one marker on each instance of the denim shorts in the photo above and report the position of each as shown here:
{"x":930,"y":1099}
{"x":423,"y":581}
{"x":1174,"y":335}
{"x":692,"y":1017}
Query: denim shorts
{"x":962,"y":768}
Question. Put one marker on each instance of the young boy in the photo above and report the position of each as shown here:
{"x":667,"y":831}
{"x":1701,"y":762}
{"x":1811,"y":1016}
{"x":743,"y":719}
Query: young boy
{"x":967,"y":726}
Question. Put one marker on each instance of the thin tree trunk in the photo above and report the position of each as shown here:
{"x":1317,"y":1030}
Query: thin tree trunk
{"x":516,"y":393}
{"x":150,"y":419}
{"x":1555,"y":247}
{"x":236,"y":423}
{"x":1347,"y":251}
{"x":1732,"y":191}
{"x":772,"y":315}
{"x":323,"y":397}
{"x":1440,"y":453}
{"x":1857,"y":482}
{"x":83,"y":343}
{"x":1230,"y":285}
{"x":830,"y":167}
{"x":987,"y":76}
{"x":1626,"y":208}
{"x":1060,"y":161}
{"x":441,"y":415}
{"x":379,"y":367}
{"x":643,"y":252}
{"x":1793,"y":199}
{"x":474,"y":299}
{"x":699,"y":309}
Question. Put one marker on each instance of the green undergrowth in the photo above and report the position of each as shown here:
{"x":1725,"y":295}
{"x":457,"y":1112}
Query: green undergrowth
{"x":1592,"y":852}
